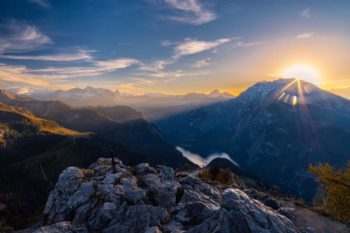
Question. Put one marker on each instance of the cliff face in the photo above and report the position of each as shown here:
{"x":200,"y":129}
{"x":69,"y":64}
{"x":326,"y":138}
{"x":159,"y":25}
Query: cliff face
{"x":154,"y":199}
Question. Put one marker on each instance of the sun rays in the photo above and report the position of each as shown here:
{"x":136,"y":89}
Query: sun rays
{"x":302,"y":72}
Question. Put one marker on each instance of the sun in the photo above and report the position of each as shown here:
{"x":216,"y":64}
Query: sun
{"x":302,"y":72}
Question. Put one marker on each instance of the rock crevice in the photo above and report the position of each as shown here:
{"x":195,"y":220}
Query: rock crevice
{"x":151,"y":199}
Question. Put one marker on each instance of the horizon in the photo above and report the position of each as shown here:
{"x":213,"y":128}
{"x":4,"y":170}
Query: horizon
{"x":186,"y":45}
{"x":26,"y":90}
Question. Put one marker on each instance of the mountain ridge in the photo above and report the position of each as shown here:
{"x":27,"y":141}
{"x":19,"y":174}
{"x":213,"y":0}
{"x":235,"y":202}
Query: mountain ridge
{"x":262,"y":129}
{"x":153,"y":105}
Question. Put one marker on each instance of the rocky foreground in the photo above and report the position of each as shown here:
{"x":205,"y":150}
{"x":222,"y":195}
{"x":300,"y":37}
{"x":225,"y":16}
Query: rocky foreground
{"x":146,"y":199}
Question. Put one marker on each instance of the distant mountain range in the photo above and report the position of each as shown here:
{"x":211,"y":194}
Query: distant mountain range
{"x":273,"y":130}
{"x":38,"y":139}
{"x":153,"y":105}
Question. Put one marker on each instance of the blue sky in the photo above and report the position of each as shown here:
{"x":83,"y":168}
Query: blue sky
{"x":170,"y":46}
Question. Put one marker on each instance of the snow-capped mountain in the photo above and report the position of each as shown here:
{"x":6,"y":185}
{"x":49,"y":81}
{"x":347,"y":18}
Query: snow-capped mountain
{"x":154,"y":105}
{"x":274,"y":130}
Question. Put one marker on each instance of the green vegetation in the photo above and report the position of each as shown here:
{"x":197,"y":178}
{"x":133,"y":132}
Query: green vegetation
{"x":219,"y":175}
{"x":334,"y":193}
{"x":23,"y":118}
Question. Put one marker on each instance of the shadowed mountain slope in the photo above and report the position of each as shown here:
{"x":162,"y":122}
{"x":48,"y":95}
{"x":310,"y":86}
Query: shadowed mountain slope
{"x":274,"y":130}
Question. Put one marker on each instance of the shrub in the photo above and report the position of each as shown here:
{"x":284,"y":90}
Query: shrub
{"x":88,"y":173}
{"x":221,"y":176}
{"x":334,"y":192}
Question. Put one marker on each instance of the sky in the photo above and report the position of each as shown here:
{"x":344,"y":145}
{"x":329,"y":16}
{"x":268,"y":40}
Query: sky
{"x":173,"y":46}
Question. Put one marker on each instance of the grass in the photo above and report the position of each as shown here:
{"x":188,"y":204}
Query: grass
{"x":218,"y":175}
{"x":43,"y":125}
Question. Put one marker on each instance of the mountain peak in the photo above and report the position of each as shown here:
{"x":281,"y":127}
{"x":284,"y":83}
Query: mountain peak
{"x":7,"y":94}
{"x":286,"y":90}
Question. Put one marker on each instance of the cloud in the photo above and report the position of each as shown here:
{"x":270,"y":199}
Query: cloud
{"x":14,"y":75}
{"x":175,"y":74}
{"x":304,"y":36}
{"x":156,"y":65}
{"x":201,"y":161}
{"x":41,"y":3}
{"x":192,"y":46}
{"x":167,"y":43}
{"x":116,"y":64}
{"x":82,"y":55}
{"x":243,"y":44}
{"x":191,"y":12}
{"x":201,"y":63}
{"x":97,"y":68}
{"x":20,"y":75}
{"x":20,"y":37}
{"x":184,"y":48}
{"x":306,"y":13}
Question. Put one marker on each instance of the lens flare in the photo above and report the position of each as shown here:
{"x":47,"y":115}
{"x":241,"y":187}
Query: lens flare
{"x":302,"y":72}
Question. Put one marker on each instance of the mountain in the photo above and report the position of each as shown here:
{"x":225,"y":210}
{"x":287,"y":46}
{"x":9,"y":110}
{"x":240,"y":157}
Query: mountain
{"x":273,"y":130}
{"x":153,"y":105}
{"x":156,"y":199}
{"x":119,"y":113}
{"x":38,"y":139}
{"x":118,"y":124}
{"x":345,"y":92}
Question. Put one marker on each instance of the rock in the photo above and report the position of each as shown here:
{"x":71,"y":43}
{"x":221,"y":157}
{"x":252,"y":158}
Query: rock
{"x":61,"y":227}
{"x":173,"y":226}
{"x":166,"y":173}
{"x":258,"y":217}
{"x":154,"y":201}
{"x":82,"y":195}
{"x":132,"y":193}
{"x":153,"y":230}
{"x":163,"y":192}
{"x":103,"y":215}
{"x":57,"y":208}
{"x":264,"y":198}
{"x":144,"y":169}
{"x":140,"y":217}
{"x":196,"y":212}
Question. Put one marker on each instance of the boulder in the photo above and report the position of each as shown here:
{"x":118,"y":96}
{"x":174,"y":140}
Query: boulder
{"x":61,"y":227}
{"x":152,"y":200}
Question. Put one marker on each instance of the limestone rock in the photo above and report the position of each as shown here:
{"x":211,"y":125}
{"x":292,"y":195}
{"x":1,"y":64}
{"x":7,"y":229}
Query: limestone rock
{"x":145,"y":199}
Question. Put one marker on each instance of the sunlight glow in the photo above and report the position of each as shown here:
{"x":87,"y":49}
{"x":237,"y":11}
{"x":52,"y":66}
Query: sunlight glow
{"x":302,"y":72}
{"x":294,"y":101}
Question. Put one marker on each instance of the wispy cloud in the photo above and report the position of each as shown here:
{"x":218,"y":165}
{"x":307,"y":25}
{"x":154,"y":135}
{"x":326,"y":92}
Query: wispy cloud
{"x":201,"y":63}
{"x":20,"y":37}
{"x":19,"y":75}
{"x":81,"y":55}
{"x":97,"y":68}
{"x":191,"y":12}
{"x":116,"y":64}
{"x":156,"y":65}
{"x":244,"y":44}
{"x":192,"y":46}
{"x":304,"y":35}
{"x":41,"y":3}
{"x":175,"y":74}
{"x":306,"y":13}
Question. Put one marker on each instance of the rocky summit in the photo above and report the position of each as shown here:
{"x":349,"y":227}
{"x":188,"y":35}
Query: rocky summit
{"x":145,"y":199}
